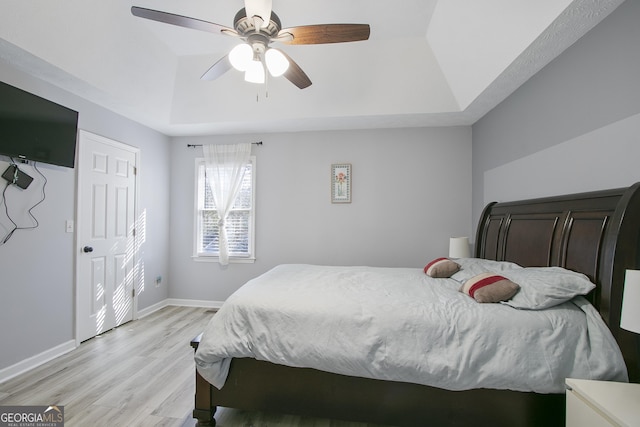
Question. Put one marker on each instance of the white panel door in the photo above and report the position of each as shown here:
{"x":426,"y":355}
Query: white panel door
{"x":106,"y":235}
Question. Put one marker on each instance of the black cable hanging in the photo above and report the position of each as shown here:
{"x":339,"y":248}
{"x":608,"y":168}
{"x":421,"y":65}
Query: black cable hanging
{"x":29,"y":211}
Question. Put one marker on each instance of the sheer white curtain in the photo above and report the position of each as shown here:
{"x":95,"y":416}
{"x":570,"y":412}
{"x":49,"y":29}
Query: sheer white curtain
{"x":225,"y":165}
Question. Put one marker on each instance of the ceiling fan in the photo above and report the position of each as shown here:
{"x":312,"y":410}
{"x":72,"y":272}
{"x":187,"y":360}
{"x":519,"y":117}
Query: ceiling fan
{"x":258,"y":26}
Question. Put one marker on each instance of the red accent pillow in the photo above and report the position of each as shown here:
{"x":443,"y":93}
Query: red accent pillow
{"x":490,"y":287}
{"x":441,"y":268}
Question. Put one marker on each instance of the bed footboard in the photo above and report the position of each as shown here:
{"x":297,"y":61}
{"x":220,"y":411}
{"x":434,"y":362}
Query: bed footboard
{"x":262,"y":386}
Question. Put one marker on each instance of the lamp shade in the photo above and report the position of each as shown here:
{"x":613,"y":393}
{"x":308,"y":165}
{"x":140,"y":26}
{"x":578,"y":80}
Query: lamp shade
{"x":277,"y":63}
{"x":459,"y":247}
{"x":255,"y":72}
{"x":241,"y":57}
{"x":630,"y":317}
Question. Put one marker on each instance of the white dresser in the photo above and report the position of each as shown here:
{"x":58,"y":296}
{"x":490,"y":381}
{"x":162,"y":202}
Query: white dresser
{"x":602,"y":403}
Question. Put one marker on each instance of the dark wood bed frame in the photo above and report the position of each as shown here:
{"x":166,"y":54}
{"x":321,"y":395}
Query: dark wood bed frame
{"x":596,"y":233}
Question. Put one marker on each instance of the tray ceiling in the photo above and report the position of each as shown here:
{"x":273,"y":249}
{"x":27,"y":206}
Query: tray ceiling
{"x":427,"y":62}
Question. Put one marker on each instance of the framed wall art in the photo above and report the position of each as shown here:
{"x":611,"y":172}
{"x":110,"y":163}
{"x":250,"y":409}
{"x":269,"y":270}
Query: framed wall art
{"x":341,"y":183}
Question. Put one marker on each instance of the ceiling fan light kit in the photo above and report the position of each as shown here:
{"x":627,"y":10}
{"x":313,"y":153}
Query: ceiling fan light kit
{"x":258,"y":26}
{"x":245,"y":58}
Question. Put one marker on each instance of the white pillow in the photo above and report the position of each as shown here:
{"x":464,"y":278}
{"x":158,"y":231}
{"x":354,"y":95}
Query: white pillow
{"x":544,"y":287}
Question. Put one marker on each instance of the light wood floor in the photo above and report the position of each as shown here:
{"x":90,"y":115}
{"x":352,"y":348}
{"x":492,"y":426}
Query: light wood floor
{"x":140,"y":374}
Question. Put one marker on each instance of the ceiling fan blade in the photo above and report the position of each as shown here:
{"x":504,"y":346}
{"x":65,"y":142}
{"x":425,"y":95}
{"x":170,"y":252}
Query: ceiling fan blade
{"x":261,"y":8}
{"x":295,"y":74}
{"x":326,"y":33}
{"x":219,"y":68}
{"x":182,"y":21}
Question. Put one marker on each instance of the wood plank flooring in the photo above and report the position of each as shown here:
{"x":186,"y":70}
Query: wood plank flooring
{"x":138,"y":375}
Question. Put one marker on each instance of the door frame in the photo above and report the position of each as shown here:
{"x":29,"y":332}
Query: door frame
{"x":80,"y":172}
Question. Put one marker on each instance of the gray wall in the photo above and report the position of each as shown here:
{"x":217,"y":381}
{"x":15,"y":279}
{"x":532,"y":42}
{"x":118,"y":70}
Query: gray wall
{"x":37,"y":266}
{"x":574,"y":126}
{"x":411,"y":192}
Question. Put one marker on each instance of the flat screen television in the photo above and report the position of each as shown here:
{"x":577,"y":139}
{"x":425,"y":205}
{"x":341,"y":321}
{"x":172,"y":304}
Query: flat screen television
{"x":33,"y":128}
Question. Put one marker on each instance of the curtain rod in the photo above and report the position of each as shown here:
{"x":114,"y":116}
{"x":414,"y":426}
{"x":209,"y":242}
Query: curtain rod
{"x":200,"y":145}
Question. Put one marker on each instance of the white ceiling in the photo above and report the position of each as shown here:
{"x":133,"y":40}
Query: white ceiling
{"x":427,"y":62}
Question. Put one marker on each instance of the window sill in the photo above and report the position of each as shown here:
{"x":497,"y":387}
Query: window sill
{"x":232,"y":260}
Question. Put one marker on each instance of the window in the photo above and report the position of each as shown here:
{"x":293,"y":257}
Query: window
{"x":240,"y":222}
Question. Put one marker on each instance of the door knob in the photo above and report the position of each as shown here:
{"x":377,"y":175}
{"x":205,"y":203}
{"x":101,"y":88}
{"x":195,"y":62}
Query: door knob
{"x":87,"y":249}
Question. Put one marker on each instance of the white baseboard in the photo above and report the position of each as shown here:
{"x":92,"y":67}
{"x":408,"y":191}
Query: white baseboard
{"x":178,"y":302}
{"x":194,"y":303}
{"x":152,"y":309}
{"x":37,"y":360}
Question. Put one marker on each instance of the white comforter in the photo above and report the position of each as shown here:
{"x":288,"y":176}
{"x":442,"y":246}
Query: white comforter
{"x":398,"y":324}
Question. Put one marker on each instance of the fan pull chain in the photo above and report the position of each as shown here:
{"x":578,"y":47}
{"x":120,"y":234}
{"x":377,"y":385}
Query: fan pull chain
{"x":266,"y":83}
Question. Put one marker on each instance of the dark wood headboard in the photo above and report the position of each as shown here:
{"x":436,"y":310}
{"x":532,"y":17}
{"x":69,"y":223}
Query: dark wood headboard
{"x":595,"y":233}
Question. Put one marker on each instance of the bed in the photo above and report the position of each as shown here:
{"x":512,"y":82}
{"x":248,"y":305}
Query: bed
{"x":595,"y":234}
